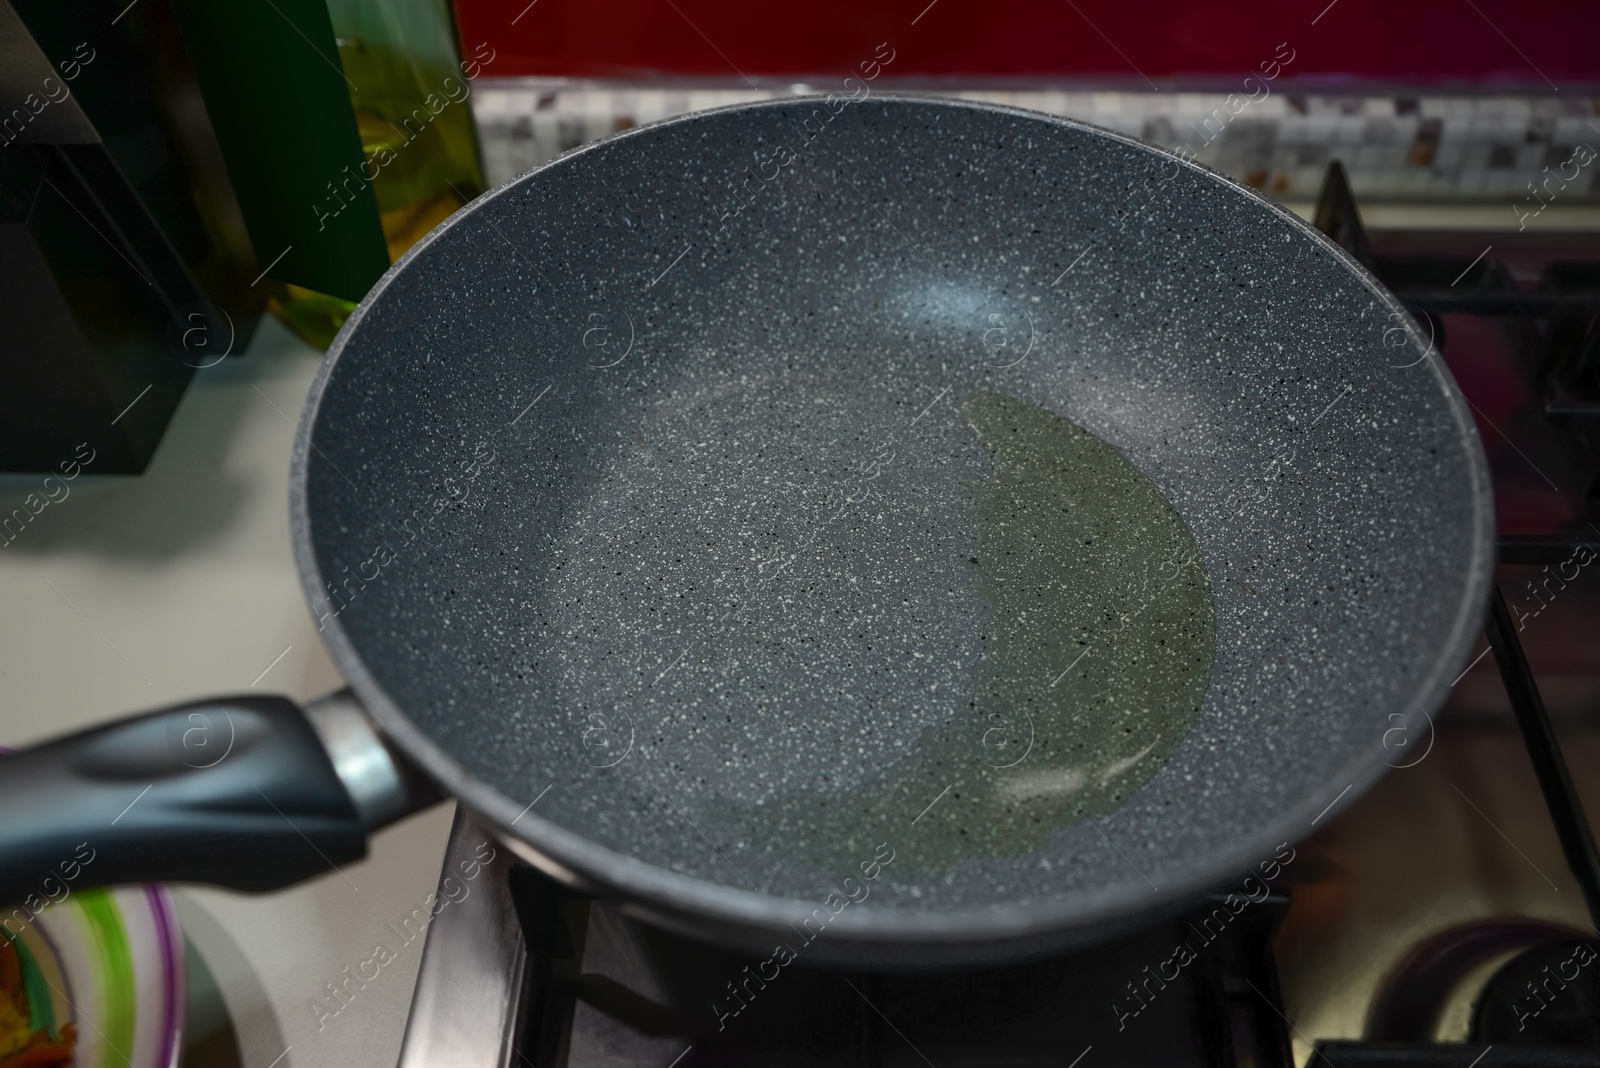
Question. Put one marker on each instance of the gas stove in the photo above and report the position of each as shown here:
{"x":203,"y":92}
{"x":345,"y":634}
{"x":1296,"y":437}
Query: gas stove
{"x":1440,"y":920}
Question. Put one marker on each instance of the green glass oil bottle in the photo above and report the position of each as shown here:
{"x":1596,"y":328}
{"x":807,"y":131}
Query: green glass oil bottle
{"x":411,"y":94}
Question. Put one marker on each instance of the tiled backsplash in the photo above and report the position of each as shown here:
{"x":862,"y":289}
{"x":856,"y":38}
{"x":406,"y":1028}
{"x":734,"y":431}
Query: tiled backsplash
{"x":1396,"y":148}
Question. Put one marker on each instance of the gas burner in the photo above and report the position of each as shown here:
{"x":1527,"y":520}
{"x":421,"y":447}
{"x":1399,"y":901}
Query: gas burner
{"x":530,"y":973}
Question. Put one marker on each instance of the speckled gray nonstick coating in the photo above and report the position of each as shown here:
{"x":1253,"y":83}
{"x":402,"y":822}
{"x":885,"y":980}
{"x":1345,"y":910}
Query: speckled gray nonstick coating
{"x":731,"y":524}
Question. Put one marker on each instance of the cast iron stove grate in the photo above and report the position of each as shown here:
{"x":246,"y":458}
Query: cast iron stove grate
{"x":526,"y":973}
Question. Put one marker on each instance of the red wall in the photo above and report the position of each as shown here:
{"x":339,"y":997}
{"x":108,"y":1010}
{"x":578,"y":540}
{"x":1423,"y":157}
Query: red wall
{"x":1438,"y":42}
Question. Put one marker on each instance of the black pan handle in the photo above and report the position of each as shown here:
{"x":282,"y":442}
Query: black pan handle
{"x":247,"y":792}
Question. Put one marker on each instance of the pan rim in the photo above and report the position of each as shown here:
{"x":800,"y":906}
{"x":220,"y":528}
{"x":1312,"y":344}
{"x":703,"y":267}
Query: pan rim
{"x":579,"y":858}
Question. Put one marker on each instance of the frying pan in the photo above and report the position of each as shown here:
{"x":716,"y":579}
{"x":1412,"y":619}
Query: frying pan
{"x":655,"y":508}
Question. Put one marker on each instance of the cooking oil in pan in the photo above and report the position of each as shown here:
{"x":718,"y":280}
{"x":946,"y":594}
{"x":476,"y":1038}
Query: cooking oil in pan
{"x":1097,"y":640}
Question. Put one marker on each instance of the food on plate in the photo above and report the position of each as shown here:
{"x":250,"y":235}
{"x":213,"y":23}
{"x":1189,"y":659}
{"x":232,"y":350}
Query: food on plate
{"x":29,"y":1037}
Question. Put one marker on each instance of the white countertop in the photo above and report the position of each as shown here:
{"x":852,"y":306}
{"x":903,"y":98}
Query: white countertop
{"x":179,"y":584}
